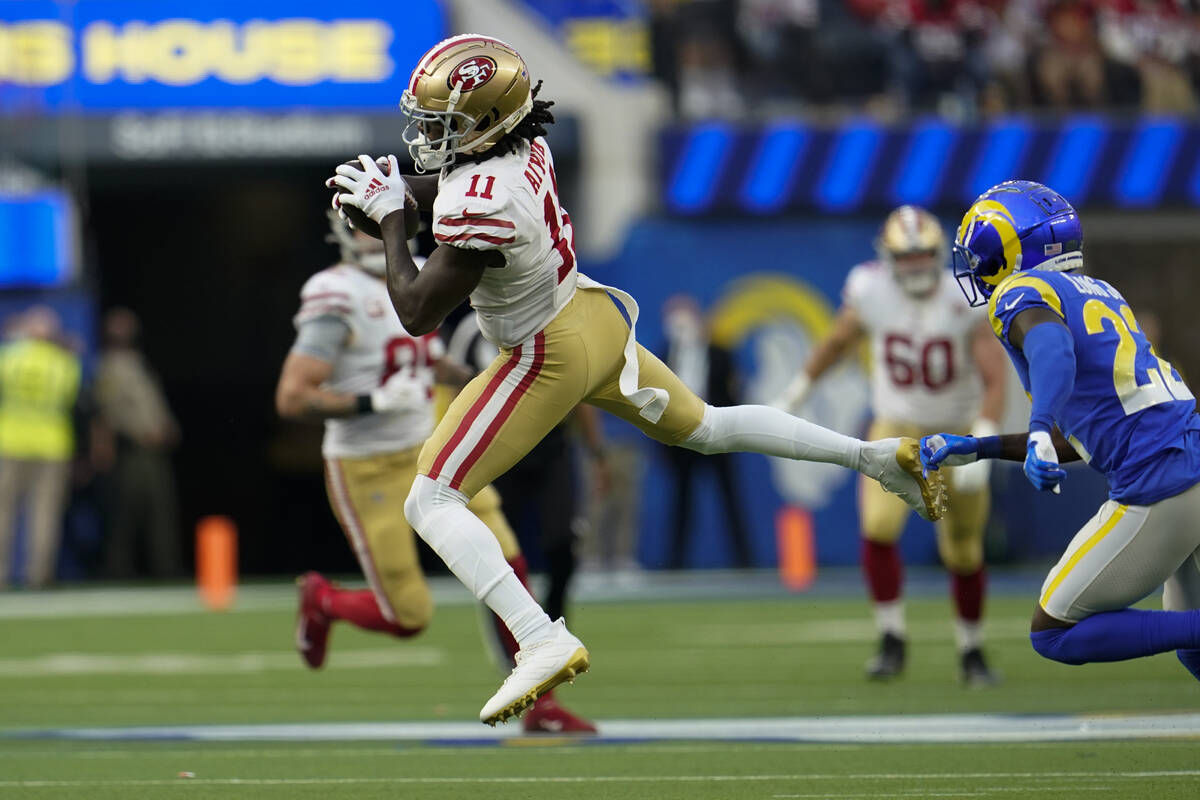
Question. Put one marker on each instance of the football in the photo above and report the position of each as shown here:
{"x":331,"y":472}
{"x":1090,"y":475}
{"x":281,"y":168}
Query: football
{"x":361,"y":222}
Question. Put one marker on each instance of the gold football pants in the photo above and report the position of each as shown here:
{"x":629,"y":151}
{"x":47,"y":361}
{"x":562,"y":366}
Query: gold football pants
{"x":530,"y":388}
{"x":367,"y":495}
{"x":960,"y":533}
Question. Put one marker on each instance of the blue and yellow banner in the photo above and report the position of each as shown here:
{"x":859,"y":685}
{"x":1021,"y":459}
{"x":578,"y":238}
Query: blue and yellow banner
{"x":99,"y":55}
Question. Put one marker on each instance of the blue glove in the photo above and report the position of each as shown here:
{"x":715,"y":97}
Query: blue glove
{"x":946,"y":449}
{"x":1041,"y":463}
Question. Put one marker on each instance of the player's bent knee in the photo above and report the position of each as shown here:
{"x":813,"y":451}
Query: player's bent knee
{"x":704,"y":437}
{"x":962,"y":557}
{"x":425,"y":500}
{"x":1053,"y":643}
{"x":413,"y":617}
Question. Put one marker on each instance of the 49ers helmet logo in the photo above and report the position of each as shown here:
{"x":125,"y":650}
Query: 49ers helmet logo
{"x":472,"y":73}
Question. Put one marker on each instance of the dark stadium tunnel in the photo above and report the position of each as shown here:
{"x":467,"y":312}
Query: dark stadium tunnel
{"x":212,"y":257}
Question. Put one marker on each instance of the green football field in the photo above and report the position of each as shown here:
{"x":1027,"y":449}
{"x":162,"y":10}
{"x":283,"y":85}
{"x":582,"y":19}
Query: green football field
{"x":136,"y":693}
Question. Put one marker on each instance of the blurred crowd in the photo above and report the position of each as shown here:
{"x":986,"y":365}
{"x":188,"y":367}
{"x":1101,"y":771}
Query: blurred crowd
{"x":85,"y":453}
{"x":957,"y":58}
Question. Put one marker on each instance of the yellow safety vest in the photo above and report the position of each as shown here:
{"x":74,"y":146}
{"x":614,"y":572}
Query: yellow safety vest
{"x":39,"y":383}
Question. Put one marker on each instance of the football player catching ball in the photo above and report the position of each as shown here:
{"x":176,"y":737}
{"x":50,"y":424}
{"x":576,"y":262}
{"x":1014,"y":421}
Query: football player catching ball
{"x":506,"y":242}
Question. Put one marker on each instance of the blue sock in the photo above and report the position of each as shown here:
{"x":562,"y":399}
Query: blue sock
{"x":1119,"y":635}
{"x":1190,"y":658}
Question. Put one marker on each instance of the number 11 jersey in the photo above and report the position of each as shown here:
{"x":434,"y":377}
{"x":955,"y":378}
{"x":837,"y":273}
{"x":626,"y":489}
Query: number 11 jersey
{"x":922,"y":370}
{"x":510,"y":204}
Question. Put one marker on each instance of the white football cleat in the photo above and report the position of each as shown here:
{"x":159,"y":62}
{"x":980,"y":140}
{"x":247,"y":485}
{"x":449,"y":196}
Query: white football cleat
{"x":896,"y":464}
{"x":540,"y":667}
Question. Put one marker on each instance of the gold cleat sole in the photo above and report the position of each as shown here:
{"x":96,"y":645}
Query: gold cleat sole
{"x":577,"y":665}
{"x":933,"y":485}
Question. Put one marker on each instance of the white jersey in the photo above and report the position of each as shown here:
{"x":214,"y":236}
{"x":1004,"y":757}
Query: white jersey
{"x":923,"y":371}
{"x":509,"y":203}
{"x":378,"y":347}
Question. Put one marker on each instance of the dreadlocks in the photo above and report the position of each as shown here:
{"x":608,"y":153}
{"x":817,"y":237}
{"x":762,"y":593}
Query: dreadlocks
{"x":531,"y":126}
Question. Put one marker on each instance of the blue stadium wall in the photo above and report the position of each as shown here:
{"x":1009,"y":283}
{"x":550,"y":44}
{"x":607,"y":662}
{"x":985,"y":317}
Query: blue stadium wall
{"x":739,"y":270}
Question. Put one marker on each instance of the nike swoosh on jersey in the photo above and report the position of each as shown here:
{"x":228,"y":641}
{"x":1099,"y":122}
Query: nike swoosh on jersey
{"x":1011,"y":303}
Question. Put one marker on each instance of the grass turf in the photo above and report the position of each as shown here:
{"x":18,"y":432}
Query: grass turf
{"x":690,"y":771}
{"x":778,"y":657}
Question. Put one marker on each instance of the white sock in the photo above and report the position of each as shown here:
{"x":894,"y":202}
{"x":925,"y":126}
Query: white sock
{"x":439,"y":514}
{"x":968,"y":634}
{"x":761,"y":429}
{"x":889,"y":617}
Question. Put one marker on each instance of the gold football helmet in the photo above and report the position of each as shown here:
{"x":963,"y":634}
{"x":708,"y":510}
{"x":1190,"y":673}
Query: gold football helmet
{"x":913,"y":246}
{"x":465,"y":94}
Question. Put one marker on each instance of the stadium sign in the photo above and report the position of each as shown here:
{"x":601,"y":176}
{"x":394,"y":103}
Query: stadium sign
{"x":142,"y":54}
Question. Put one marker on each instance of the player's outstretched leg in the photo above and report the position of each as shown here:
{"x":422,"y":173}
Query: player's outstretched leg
{"x":895,"y":463}
{"x":549,"y":653}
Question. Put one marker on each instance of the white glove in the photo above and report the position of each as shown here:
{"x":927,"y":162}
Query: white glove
{"x":1041,"y":463}
{"x":369,"y":189}
{"x":795,"y":394}
{"x":398,"y":393}
{"x":973,"y":477}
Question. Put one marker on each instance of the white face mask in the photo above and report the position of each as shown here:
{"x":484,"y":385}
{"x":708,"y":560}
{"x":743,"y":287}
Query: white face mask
{"x":374,"y":263}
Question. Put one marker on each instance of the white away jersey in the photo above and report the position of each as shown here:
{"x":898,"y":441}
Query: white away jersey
{"x":510,"y":203}
{"x":378,"y":347}
{"x":922,"y":371}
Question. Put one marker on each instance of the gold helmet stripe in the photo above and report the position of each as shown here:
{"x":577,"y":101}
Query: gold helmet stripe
{"x":993,"y":213}
{"x":443,"y":46}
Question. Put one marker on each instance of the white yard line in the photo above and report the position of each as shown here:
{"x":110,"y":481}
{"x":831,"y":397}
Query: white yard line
{"x":216,"y":664}
{"x":641,"y":748}
{"x":575,"y":779}
{"x":896,"y":729}
{"x":833,"y":631}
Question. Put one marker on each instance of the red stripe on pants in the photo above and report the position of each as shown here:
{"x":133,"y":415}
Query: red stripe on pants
{"x":539,"y":356}
{"x":476,"y":409}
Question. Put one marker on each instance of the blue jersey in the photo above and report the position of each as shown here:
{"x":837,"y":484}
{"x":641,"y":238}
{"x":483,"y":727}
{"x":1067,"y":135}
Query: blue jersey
{"x":1130,"y":415}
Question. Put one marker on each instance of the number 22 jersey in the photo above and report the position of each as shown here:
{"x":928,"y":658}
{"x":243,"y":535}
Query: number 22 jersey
{"x":1129,"y":415}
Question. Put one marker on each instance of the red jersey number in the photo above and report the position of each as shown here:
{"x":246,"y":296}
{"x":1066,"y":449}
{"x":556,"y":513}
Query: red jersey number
{"x":486,"y":192}
{"x":932,"y":364}
{"x":556,"y":220}
{"x":404,"y":353}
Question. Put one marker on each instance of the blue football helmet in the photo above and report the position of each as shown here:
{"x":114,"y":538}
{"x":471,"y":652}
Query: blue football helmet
{"x":1013,"y":227}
